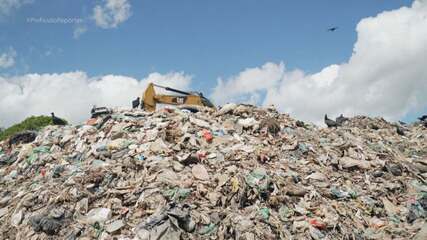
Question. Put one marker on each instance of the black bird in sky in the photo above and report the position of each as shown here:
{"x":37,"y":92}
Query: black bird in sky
{"x":332,"y":29}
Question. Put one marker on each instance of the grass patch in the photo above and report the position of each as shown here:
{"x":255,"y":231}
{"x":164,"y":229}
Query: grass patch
{"x":34,"y":123}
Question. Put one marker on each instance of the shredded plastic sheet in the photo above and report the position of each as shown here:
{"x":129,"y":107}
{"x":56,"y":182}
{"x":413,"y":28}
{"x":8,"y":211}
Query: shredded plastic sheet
{"x":239,"y":172}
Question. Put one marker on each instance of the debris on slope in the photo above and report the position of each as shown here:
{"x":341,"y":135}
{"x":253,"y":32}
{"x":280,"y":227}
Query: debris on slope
{"x":23,"y":137}
{"x":237,"y":173}
{"x":33,"y":123}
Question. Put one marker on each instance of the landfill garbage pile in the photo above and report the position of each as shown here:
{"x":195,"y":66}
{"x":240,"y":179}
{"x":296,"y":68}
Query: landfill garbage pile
{"x":240,"y":172}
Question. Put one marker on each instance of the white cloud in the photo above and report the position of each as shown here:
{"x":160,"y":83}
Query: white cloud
{"x":385,"y":76}
{"x":247,"y":85}
{"x":111,"y":13}
{"x":7,"y":59}
{"x":78,"y":31}
{"x":7,"y":6}
{"x":71,"y":95}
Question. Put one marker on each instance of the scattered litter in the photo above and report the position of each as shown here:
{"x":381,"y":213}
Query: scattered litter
{"x":23,"y":137}
{"x":239,"y":172}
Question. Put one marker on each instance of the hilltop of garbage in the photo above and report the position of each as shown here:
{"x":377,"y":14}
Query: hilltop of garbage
{"x":240,"y":172}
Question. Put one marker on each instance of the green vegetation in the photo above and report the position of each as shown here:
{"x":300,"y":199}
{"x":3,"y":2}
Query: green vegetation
{"x":31,"y":123}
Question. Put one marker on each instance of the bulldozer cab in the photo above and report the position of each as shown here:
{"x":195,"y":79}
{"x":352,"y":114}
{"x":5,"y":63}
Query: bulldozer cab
{"x":150,"y":98}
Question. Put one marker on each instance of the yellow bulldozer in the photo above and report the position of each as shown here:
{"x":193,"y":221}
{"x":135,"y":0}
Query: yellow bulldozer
{"x":186,"y":100}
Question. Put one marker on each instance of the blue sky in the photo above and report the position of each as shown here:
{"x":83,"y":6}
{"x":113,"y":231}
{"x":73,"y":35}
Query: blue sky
{"x":206,"y":40}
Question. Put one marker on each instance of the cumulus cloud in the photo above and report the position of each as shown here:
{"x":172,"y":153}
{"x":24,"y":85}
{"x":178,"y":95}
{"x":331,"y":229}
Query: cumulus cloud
{"x":249,"y":84}
{"x":71,"y":95}
{"x":7,"y":59}
{"x":111,"y":13}
{"x":7,"y":6}
{"x":385,"y":76}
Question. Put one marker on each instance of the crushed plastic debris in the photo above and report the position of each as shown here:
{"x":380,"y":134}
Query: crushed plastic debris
{"x":239,"y":172}
{"x":23,"y":137}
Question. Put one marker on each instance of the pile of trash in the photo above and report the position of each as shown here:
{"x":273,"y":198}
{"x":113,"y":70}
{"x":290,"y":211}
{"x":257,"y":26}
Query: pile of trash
{"x":240,"y":172}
